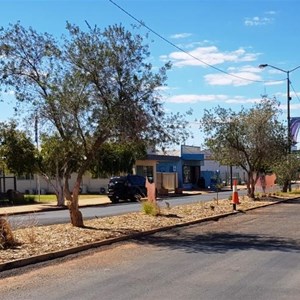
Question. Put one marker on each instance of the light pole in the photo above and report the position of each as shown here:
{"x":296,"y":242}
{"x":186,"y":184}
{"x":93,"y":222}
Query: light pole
{"x":289,"y":98}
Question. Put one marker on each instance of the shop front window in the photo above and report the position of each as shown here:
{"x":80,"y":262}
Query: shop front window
{"x":186,"y":174}
{"x":146,"y":171}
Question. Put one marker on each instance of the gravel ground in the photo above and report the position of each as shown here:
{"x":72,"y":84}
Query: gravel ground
{"x":37,"y":240}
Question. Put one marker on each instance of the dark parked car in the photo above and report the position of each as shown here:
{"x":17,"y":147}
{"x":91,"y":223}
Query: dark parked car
{"x":130,"y":187}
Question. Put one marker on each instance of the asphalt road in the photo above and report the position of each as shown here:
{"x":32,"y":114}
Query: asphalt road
{"x":63,"y":216}
{"x":246,"y":256}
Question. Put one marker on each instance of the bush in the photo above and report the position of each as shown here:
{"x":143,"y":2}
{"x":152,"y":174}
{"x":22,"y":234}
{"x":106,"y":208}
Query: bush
{"x":7,"y":239}
{"x":151,"y":208}
{"x":30,"y":199}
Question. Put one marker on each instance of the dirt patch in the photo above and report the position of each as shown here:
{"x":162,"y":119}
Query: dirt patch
{"x":37,"y":240}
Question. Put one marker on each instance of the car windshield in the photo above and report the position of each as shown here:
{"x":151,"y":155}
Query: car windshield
{"x":137,"y":180}
{"x":116,"y":180}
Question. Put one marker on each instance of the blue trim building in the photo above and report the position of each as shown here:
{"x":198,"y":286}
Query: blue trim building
{"x":187,"y":166}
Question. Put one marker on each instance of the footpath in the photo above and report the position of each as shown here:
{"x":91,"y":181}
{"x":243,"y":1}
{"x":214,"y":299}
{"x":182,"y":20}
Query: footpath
{"x":48,"y":206}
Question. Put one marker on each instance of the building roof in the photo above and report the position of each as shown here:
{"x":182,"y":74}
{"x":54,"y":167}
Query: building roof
{"x":160,"y":157}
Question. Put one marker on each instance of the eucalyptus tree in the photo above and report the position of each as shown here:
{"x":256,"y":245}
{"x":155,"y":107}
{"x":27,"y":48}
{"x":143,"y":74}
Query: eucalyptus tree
{"x":115,"y":158}
{"x":17,"y":151}
{"x":51,"y":163}
{"x":253,"y":139}
{"x":287,"y":169}
{"x":92,"y":87}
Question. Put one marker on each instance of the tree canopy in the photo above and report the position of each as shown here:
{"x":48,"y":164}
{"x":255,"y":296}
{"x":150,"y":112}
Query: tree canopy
{"x":91,"y":87}
{"x":17,"y":151}
{"x":253,"y":138}
{"x":287,"y":169}
{"x":115,"y":158}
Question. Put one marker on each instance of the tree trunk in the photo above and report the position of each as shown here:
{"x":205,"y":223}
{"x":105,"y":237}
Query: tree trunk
{"x":60,"y":196}
{"x":75,"y":213}
{"x":72,"y":200}
{"x":60,"y":188}
{"x":248,"y":186}
{"x":285,"y":186}
{"x":251,"y":185}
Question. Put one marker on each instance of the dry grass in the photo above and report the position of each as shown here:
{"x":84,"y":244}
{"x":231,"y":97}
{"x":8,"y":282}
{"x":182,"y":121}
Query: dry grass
{"x":7,"y":239}
{"x":36,"y":240}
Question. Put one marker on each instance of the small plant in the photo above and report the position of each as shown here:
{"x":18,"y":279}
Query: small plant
{"x":168,"y":205}
{"x":186,"y":210}
{"x":28,"y":223}
{"x":7,"y":239}
{"x":30,"y":226}
{"x":150,"y":208}
{"x":216,"y":201}
{"x":29,"y":198}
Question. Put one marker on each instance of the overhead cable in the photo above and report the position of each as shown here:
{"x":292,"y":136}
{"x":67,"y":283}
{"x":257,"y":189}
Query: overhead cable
{"x":187,"y":53}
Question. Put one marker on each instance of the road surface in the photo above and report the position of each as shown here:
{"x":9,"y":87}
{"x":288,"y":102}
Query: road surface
{"x":63,"y":216}
{"x":246,"y":256}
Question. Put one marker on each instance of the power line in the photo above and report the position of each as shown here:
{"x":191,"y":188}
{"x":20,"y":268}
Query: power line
{"x":295,"y":92}
{"x":187,"y":53}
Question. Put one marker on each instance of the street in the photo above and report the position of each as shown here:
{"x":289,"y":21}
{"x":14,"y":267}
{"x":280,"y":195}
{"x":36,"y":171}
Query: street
{"x":253,"y":255}
{"x":63,"y":216}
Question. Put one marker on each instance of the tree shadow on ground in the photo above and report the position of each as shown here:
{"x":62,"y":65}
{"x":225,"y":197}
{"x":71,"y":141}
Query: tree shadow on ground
{"x":291,"y":201}
{"x":220,"y":242}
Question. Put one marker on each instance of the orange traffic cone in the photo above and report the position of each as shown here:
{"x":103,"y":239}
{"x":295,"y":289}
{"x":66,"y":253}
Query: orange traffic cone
{"x":235,"y":195}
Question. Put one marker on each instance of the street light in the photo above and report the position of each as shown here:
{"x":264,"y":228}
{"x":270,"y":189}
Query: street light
{"x":289,"y":98}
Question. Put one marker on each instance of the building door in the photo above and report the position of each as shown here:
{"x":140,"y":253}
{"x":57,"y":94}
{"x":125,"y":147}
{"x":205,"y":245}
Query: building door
{"x":195,"y":175}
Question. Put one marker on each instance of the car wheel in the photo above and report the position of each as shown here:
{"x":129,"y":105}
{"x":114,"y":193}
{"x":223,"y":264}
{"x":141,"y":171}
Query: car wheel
{"x":136,"y":197}
{"x":114,"y":199}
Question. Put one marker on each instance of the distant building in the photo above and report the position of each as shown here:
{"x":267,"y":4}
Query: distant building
{"x":188,"y":168}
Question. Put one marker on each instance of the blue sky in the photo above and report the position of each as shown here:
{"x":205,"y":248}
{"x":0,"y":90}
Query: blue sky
{"x":215,"y":46}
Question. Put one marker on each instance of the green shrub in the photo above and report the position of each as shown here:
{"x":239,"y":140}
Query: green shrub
{"x":26,"y":199}
{"x":150,"y":208}
{"x":29,"y":198}
{"x":295,"y":192}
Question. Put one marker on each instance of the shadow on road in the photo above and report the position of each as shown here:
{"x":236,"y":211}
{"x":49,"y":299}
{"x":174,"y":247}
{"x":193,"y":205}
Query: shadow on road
{"x":221,"y":242}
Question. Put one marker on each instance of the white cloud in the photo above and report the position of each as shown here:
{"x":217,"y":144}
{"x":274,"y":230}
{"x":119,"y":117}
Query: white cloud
{"x":218,"y":98}
{"x":268,"y":83}
{"x":242,"y":100}
{"x":271,"y":12}
{"x":203,"y":56}
{"x":258,"y":21}
{"x":292,"y":106}
{"x":235,"y":79}
{"x":166,"y":88}
{"x":190,"y":98}
{"x":180,"y":35}
{"x":195,"y":44}
{"x":8,"y":93}
{"x":162,"y":88}
{"x":246,"y":68}
{"x":283,"y":95}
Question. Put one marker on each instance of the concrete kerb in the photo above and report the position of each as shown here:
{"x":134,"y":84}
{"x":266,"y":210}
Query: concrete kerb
{"x":62,"y":253}
{"x":32,"y":211}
